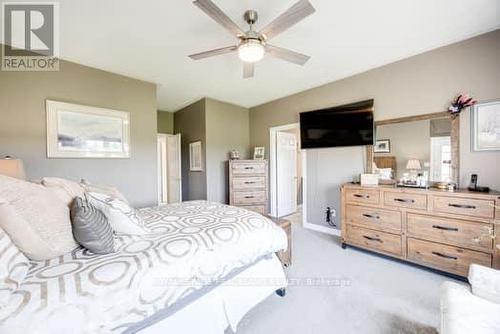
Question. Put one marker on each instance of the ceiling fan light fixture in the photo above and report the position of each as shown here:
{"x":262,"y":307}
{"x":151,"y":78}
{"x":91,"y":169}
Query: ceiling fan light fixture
{"x":251,"y":51}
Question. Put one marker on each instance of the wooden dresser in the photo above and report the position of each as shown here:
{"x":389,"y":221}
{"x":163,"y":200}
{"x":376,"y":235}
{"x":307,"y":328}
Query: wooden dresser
{"x":439,"y":229}
{"x":248,"y":184}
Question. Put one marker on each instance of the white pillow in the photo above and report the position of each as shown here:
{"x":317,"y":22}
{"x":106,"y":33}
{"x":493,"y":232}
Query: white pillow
{"x":13,"y":268}
{"x":106,"y":190}
{"x":66,"y":190}
{"x":120,"y":215}
{"x":35,"y":219}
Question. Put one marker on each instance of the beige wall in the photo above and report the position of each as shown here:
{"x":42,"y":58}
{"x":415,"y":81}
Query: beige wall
{"x":227,"y":129}
{"x":421,"y":84}
{"x":165,"y":122}
{"x":23,"y":126}
{"x":190,"y":123}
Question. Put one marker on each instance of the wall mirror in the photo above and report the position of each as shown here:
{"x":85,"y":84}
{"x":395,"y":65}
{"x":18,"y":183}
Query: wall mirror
{"x":418,"y":151}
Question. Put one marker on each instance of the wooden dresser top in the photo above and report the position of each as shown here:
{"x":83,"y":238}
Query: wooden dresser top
{"x":495,"y":195}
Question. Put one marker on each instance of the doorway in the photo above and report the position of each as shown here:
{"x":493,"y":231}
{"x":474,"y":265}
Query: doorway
{"x":169,"y":168}
{"x":286,"y":170}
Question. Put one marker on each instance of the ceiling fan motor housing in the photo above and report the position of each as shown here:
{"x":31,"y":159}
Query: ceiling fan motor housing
{"x":250,"y":17}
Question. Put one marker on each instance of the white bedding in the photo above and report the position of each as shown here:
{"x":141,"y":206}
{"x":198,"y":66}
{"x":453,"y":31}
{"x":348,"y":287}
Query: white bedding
{"x":192,"y":243}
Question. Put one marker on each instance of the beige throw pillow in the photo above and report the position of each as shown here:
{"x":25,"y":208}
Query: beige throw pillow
{"x":105,"y":190}
{"x":66,"y":190}
{"x":35,"y":219}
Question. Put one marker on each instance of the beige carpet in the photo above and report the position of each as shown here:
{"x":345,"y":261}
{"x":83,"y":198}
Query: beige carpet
{"x":370,"y":294}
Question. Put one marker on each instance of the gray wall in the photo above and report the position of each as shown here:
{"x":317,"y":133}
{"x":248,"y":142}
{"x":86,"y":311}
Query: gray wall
{"x":227,"y":128}
{"x":165,"y":122}
{"x":190,"y":123}
{"x":422,"y":84}
{"x":23,"y":126}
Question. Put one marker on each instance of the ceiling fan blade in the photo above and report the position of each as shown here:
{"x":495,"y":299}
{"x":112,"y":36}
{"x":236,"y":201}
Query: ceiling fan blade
{"x":219,"y":16}
{"x":211,"y":53}
{"x":294,"y":14}
{"x":248,"y":70}
{"x":288,"y":55}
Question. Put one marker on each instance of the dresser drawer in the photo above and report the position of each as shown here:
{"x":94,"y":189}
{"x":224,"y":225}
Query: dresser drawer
{"x":448,"y":258}
{"x":451,"y":231}
{"x":363,"y":196}
{"x":379,"y":219}
{"x":374,"y":240}
{"x":248,"y":168}
{"x":249,"y":197}
{"x":249,"y":182}
{"x":403,"y":200}
{"x":464,"y":206}
{"x":255,"y":208}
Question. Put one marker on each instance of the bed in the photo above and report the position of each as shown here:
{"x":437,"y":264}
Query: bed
{"x":202,"y":261}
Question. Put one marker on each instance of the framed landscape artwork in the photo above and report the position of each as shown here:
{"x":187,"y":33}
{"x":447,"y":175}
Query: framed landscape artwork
{"x":382,"y":146}
{"x":486,"y":126}
{"x":77,"y":131}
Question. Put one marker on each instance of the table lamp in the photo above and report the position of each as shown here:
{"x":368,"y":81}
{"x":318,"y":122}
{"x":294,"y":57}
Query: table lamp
{"x":12,"y":167}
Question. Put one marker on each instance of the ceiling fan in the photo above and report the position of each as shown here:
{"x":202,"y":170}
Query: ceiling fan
{"x":253,"y":45}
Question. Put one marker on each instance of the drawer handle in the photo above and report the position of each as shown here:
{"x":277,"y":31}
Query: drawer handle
{"x":248,"y":167}
{"x":367,"y":215}
{"x":372,"y":238}
{"x":404,"y":200}
{"x":445,"y":256}
{"x":249,"y":196}
{"x":249,"y":182}
{"x":361,"y":196}
{"x":444,"y":228}
{"x":462,"y":206}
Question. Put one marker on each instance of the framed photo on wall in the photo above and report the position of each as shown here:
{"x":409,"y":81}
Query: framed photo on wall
{"x":195,"y":157}
{"x":78,"y":131}
{"x":486,"y":126}
{"x":382,"y":146}
{"x":258,"y":153}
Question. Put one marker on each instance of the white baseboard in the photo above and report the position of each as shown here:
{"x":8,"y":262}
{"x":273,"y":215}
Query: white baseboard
{"x":323,"y":229}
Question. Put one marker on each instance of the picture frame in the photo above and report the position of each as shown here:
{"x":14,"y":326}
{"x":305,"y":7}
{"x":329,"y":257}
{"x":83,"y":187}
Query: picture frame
{"x":382,"y":146}
{"x":79,"y":131}
{"x":485,"y":126}
{"x":195,"y":157}
{"x":259,"y":152}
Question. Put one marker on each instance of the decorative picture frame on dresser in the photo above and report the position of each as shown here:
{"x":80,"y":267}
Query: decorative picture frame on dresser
{"x":258,"y":153}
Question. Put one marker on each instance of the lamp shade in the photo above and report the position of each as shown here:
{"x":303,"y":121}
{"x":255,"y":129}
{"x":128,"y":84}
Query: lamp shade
{"x":413,"y":164}
{"x":12,"y":167}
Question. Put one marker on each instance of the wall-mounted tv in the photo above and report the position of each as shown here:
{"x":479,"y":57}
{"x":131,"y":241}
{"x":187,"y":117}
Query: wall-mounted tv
{"x":347,"y":125}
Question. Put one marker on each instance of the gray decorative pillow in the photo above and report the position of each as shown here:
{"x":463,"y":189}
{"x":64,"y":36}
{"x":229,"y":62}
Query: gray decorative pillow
{"x":91,"y":227}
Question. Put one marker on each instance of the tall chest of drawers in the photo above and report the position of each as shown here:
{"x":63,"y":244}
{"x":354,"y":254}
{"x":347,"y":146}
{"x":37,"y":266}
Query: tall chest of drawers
{"x":248,"y":184}
{"x":443,"y":230}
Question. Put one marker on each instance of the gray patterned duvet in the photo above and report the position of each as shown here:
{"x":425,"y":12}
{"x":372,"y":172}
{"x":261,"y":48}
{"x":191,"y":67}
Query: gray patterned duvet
{"x":191,"y":244}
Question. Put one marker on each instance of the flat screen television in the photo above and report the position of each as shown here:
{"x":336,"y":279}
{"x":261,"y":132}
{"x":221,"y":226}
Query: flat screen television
{"x":347,"y":125}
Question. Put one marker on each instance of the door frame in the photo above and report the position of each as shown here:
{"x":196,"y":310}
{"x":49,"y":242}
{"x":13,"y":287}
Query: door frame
{"x":273,"y":196}
{"x":159,"y":171}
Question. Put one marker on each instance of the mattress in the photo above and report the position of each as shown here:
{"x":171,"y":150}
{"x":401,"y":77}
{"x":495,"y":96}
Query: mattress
{"x":192,"y":245}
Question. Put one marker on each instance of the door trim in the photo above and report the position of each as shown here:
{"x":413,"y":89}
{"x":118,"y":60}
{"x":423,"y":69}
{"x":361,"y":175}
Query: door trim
{"x":273,"y":197}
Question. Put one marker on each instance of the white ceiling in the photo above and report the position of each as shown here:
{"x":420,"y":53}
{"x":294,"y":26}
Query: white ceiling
{"x":151,"y":39}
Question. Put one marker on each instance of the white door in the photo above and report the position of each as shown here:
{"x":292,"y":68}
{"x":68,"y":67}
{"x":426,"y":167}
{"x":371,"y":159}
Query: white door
{"x":162,"y":169}
{"x":286,"y":173}
{"x":174,"y":181}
